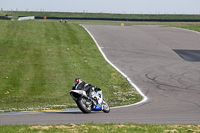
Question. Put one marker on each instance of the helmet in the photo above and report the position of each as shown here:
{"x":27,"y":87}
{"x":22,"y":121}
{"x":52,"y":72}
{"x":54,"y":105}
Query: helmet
{"x":77,"y":81}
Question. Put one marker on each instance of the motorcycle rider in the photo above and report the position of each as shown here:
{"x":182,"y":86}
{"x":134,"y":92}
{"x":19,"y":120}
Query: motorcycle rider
{"x":88,"y":88}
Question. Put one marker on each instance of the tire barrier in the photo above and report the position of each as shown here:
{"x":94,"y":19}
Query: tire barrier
{"x":121,"y":19}
{"x":4,"y":18}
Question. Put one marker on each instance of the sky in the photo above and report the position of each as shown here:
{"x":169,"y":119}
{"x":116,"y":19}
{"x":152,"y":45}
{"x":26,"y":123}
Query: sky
{"x":105,"y":6}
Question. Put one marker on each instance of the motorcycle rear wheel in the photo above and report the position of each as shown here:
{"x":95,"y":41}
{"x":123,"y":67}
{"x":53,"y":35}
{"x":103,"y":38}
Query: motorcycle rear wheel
{"x":85,"y":108}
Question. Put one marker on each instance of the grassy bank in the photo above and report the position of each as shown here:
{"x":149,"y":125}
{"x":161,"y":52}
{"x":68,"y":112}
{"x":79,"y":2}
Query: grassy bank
{"x":39,"y":62}
{"x":103,"y":128}
{"x":195,"y":27}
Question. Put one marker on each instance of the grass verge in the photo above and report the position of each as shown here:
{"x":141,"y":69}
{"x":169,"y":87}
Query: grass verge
{"x":102,"y":128}
{"x":195,"y":27}
{"x":40,"y":60}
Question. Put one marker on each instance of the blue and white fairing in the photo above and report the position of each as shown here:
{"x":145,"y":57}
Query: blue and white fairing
{"x":97,"y":107}
{"x":99,"y":97}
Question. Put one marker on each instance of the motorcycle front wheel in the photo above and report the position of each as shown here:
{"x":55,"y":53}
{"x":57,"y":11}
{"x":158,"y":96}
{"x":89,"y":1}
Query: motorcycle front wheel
{"x":106,"y":108}
{"x":84,"y":105}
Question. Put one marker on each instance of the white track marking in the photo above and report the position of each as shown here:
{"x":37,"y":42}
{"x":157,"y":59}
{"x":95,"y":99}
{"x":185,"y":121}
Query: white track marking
{"x":145,"y":98}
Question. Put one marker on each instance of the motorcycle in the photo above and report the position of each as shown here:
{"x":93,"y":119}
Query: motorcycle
{"x":87,"y":104}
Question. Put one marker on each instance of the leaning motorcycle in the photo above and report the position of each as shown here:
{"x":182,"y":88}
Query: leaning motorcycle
{"x":87,"y":104}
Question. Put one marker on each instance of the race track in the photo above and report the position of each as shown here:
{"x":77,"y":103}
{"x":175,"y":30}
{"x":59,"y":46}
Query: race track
{"x":146,"y":55}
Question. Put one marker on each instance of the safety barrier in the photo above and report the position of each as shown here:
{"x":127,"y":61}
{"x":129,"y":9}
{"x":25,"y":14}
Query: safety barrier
{"x":122,"y":19}
{"x":4,"y":18}
{"x":26,"y":18}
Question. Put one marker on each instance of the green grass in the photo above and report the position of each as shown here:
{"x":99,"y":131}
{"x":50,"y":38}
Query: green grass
{"x":101,"y":128}
{"x":191,"y":27}
{"x":40,"y":60}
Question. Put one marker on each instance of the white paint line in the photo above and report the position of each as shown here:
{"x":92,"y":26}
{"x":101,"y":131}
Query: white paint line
{"x":145,"y":98}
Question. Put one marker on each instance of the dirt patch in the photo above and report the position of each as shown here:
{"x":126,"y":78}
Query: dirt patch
{"x":119,"y":126}
{"x":124,"y":126}
{"x":41,"y":127}
{"x":96,"y":127}
{"x":193,"y":131}
{"x":176,"y":126}
{"x":72,"y":125}
{"x":171,"y":131}
{"x":63,"y":127}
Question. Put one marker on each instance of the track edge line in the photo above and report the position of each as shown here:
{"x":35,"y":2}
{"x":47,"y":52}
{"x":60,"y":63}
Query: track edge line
{"x":145,"y":98}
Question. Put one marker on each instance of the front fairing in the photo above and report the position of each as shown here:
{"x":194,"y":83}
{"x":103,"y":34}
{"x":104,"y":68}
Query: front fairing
{"x":76,"y":94}
{"x":97,"y":107}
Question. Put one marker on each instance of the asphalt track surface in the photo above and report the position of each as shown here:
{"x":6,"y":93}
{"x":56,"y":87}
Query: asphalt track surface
{"x":145,"y":54}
